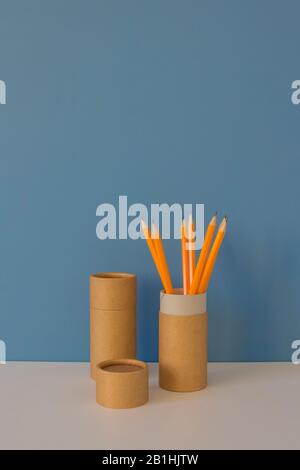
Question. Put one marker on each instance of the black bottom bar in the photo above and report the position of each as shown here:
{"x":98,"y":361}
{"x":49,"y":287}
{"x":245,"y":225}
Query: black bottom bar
{"x":136,"y":458}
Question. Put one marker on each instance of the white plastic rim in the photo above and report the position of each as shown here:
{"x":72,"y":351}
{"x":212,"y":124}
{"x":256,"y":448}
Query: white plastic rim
{"x":179,"y":304}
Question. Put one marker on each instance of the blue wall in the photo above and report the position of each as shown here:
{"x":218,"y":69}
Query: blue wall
{"x":107,"y":98}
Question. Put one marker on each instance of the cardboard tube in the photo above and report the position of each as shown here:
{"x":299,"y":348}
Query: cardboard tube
{"x":183,"y":328}
{"x":112,"y":317}
{"x":122,"y":383}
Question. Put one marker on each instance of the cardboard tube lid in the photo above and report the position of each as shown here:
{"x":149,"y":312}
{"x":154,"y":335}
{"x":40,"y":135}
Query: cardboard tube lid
{"x":179,"y":304}
{"x":122,"y":383}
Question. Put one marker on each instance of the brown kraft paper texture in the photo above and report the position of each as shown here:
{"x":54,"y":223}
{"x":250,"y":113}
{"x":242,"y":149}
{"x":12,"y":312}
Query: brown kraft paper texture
{"x":112,"y":317}
{"x":122,"y":383}
{"x":183,"y":347}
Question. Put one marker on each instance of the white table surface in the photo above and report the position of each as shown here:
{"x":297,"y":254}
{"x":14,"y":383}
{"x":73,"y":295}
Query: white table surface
{"x":246,"y":406}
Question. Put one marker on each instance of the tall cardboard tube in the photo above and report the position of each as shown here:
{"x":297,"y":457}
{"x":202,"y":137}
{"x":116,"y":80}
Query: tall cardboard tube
{"x":112,"y":317}
{"x":183,"y":329}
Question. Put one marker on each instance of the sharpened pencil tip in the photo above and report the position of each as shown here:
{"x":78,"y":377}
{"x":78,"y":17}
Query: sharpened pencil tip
{"x":213,"y":220}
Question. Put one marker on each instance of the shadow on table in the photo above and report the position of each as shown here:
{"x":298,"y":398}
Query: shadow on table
{"x":160,"y":396}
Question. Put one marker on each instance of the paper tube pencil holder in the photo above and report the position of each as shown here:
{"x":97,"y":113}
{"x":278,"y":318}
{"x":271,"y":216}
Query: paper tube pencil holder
{"x":182,"y":342}
{"x":112,"y":317}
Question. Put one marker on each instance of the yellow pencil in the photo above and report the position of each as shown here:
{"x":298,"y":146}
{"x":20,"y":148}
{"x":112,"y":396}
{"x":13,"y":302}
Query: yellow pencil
{"x":203,"y":255}
{"x":162,"y":260}
{"x":191,"y":249}
{"x":185,"y":261}
{"x":153,"y":252}
{"x":212,"y":257}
